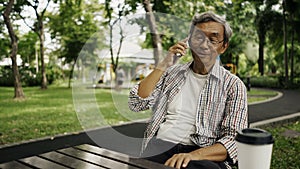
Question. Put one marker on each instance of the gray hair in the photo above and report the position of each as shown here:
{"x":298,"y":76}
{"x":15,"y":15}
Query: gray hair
{"x":210,"y":16}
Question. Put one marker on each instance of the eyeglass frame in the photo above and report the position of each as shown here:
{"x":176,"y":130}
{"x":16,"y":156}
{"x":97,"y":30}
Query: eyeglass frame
{"x":193,"y":26}
{"x":206,"y":38}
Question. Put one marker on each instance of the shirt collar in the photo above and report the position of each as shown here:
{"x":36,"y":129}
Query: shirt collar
{"x":216,"y":71}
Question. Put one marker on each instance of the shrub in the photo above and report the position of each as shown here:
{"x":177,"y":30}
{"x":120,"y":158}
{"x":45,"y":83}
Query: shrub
{"x":266,"y":81}
{"x":53,"y":73}
{"x":29,"y":77}
{"x":6,"y":77}
{"x":272,"y":82}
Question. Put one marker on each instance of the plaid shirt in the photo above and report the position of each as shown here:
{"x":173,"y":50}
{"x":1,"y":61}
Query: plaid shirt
{"x":221,"y":109}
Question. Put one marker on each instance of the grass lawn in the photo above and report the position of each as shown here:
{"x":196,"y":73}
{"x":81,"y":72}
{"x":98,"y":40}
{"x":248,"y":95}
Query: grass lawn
{"x":285,"y":149}
{"x":255,"y":95}
{"x":42,"y":113}
{"x":51,"y":112}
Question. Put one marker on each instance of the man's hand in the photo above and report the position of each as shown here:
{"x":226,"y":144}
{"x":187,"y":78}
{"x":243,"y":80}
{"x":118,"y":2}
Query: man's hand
{"x":215,"y":152}
{"x":147,"y":85}
{"x":171,"y":58}
{"x":179,"y":160}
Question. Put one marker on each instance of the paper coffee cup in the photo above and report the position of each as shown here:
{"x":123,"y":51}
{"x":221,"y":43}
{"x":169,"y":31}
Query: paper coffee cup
{"x":254,"y":148}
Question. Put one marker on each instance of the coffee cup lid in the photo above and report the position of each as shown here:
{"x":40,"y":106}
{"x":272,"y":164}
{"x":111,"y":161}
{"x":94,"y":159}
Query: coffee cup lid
{"x":254,"y":136}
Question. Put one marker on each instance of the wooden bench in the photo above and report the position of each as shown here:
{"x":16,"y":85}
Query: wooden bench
{"x":81,"y":156}
{"x":97,"y":148}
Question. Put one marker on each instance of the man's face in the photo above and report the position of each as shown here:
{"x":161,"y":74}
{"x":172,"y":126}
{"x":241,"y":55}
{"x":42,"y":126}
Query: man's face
{"x":207,"y":42}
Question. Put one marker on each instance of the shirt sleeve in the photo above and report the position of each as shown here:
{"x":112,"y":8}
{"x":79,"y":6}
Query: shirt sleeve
{"x":137,"y":103}
{"x":236,"y":118}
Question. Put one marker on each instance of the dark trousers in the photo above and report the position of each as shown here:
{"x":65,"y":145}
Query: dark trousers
{"x":160,"y":151}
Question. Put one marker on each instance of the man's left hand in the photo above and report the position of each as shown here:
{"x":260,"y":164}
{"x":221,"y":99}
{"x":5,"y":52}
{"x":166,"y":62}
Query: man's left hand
{"x":179,"y":160}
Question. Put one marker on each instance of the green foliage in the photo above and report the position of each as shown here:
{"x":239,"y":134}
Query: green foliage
{"x":171,"y":28}
{"x":5,"y":47}
{"x":27,"y":47}
{"x":240,"y":16}
{"x":73,"y":26}
{"x":75,"y":21}
{"x":173,"y":19}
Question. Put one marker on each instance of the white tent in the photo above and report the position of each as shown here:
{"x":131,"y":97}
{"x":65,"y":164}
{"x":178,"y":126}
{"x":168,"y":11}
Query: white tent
{"x":130,"y":52}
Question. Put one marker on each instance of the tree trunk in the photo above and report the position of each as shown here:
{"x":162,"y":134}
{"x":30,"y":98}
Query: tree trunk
{"x":285,"y":44}
{"x":292,"y":56}
{"x":111,"y":43}
{"x":43,"y":66}
{"x":14,"y":45}
{"x":156,"y":40}
{"x":261,"y":53}
{"x":71,"y":74}
{"x":118,"y":52}
{"x":39,"y":30}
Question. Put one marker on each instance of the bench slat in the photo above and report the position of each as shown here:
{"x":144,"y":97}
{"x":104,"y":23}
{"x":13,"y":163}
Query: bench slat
{"x":140,"y":163}
{"x":69,"y":161}
{"x":104,"y":152}
{"x":94,"y":159}
{"x":14,"y":165}
{"x":42,"y":163}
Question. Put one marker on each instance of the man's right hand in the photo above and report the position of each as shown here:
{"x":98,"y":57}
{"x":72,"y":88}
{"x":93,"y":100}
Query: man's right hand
{"x":171,"y":58}
{"x":148,"y":84}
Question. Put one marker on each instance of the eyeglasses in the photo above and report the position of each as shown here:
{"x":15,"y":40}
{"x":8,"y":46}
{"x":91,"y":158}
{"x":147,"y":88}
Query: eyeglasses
{"x":200,"y":37}
{"x":205,"y":39}
{"x":214,"y":42}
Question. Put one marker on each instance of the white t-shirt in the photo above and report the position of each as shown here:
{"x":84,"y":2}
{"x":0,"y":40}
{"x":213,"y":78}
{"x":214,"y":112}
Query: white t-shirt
{"x":181,"y":113}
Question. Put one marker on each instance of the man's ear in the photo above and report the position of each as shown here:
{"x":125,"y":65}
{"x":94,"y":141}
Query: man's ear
{"x":224,"y":47}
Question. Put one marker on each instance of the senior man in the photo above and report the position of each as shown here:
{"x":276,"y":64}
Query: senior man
{"x":198,"y":106}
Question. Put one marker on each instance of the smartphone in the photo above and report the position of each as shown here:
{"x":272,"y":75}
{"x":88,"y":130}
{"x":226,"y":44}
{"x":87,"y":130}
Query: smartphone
{"x":178,"y":55}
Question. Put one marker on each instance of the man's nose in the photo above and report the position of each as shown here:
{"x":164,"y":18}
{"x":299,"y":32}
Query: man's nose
{"x":204,"y":45}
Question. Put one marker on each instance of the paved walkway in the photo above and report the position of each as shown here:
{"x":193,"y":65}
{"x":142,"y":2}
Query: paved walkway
{"x":288,"y":104}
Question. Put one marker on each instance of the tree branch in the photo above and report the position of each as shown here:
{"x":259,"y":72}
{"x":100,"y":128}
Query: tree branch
{"x":24,"y":20}
{"x":6,"y":14}
{"x":43,"y":12}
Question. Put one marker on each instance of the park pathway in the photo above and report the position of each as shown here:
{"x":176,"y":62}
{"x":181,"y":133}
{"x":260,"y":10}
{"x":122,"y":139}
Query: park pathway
{"x":288,"y":104}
